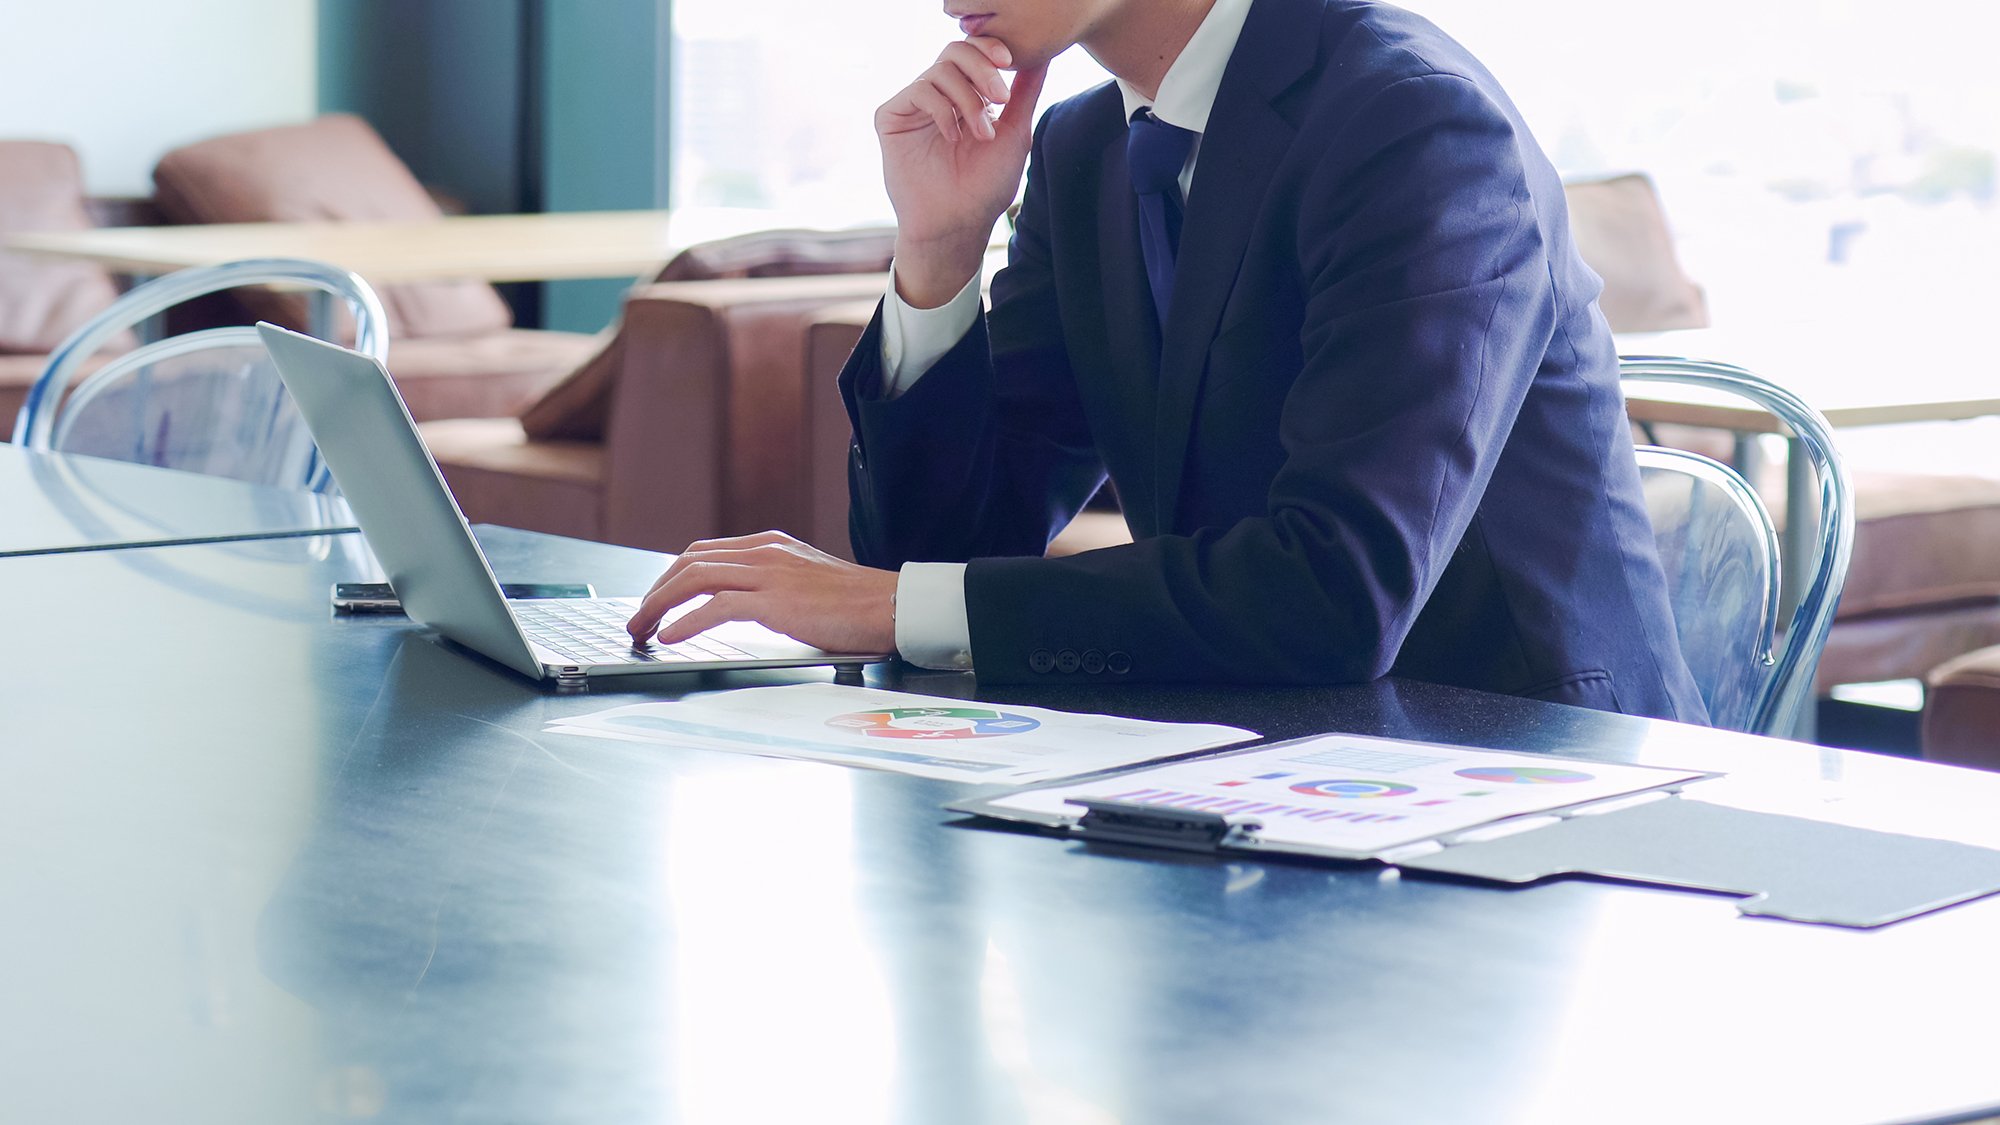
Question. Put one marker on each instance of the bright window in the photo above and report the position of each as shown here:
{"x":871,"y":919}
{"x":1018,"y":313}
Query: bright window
{"x":775,"y":101}
{"x":1792,"y":140}
{"x":1797,"y":144}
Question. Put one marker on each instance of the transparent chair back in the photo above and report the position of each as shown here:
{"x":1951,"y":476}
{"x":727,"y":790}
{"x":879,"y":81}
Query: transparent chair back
{"x":1783,"y":655}
{"x":1719,"y":549}
{"x":208,"y":402}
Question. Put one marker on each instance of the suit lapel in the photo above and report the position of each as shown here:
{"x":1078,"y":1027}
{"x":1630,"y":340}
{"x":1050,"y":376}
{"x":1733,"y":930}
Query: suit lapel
{"x":1240,"y":151}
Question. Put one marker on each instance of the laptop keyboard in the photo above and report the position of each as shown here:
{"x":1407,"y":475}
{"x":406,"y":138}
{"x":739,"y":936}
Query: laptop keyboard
{"x":593,"y":632}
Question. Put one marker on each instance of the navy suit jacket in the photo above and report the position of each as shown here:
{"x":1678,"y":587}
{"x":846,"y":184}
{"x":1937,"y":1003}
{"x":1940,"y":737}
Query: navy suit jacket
{"x":1382,"y":434}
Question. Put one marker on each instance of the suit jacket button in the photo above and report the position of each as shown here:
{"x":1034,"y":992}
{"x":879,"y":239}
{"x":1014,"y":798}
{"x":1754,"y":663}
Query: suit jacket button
{"x":1042,"y":661}
{"x":1119,"y":663}
{"x":1068,"y":661}
{"x":1093,"y":662}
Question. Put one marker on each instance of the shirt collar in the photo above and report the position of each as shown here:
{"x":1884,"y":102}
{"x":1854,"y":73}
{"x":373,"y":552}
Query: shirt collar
{"x":1187,"y":93}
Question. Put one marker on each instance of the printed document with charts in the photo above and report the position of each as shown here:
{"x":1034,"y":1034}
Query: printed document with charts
{"x":928,"y":736}
{"x":1342,"y":796}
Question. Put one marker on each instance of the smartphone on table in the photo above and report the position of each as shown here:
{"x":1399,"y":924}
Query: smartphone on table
{"x":377,"y":597}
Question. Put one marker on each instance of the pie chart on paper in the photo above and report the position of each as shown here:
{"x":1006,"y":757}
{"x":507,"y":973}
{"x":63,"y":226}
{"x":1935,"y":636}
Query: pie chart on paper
{"x":1353,"y":788}
{"x":934,"y":723}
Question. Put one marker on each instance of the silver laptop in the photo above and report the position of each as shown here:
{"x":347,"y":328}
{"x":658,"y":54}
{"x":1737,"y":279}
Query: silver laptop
{"x":435,"y":565}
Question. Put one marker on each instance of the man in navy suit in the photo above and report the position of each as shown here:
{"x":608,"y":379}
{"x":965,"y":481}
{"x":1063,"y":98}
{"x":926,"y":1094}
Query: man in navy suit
{"x":1301,"y":284}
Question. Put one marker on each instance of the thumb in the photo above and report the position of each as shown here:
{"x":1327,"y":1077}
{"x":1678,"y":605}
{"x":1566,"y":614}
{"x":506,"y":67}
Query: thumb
{"x":1022,"y":94}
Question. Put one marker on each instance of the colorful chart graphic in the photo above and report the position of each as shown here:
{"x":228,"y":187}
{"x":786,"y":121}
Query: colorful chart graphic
{"x":934,"y":723}
{"x":1350,"y":788}
{"x":1524,"y":775}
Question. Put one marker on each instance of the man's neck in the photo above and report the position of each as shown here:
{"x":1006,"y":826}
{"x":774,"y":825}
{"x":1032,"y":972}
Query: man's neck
{"x":1141,"y":40}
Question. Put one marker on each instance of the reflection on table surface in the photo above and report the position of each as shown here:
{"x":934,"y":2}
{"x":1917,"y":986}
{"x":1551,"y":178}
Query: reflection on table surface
{"x":274,"y":865}
{"x":62,"y":502}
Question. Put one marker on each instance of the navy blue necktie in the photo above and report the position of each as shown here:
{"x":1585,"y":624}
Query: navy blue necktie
{"x":1156,"y":152}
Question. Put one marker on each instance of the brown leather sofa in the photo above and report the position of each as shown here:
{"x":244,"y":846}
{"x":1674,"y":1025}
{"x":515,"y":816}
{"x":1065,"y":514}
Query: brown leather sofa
{"x":690,"y":421}
{"x":42,"y":300}
{"x":1961,"y":722}
{"x":452,"y":345}
{"x":703,"y":423}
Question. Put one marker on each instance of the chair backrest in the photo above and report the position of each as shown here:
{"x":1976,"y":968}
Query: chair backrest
{"x":1720,"y":549}
{"x":208,"y":402}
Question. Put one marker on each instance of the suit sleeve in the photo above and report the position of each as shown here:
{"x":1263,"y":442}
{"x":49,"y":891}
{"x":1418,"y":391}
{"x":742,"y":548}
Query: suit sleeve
{"x":988,"y":453}
{"x":1428,"y":305}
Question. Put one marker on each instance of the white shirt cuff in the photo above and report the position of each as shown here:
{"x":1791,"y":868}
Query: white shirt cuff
{"x":931,"y":628}
{"x":914,"y":339}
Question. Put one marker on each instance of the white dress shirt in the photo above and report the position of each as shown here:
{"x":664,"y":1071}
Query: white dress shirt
{"x":931,"y":627}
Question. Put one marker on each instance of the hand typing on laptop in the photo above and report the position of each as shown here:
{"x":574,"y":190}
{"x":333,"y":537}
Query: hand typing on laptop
{"x":444,"y":580}
{"x":779,"y":582}
{"x":951,"y":167}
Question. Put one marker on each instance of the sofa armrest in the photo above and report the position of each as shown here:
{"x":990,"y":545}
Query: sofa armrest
{"x":1962,"y":711}
{"x":708,"y":432}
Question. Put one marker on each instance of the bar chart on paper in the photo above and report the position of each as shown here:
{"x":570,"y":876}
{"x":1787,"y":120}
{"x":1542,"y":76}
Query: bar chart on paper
{"x":1228,"y":806}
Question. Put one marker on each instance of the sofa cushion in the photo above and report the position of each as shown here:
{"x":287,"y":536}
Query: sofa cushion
{"x":575,"y":409}
{"x":487,"y":376}
{"x":335,"y":168}
{"x":1621,"y":232}
{"x":43,"y":300}
{"x":1922,"y":541}
{"x":1904,"y":646}
{"x":499,"y":476}
{"x":497,"y":444}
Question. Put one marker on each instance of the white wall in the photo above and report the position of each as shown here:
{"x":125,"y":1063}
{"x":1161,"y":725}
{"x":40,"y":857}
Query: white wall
{"x":123,"y":81}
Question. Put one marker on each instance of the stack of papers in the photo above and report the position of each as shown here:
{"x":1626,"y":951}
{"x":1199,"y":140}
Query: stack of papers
{"x":922,"y":735}
{"x":1346,"y":795}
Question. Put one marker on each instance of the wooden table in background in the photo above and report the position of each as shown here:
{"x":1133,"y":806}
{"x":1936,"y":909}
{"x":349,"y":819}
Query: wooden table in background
{"x":497,"y":248}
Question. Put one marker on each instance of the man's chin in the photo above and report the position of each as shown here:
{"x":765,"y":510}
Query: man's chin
{"x":1029,"y":56}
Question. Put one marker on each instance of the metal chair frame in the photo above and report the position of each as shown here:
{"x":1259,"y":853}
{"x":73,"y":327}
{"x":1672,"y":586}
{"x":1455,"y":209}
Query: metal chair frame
{"x":41,"y":422}
{"x":1729,"y":705}
{"x":1792,"y":662}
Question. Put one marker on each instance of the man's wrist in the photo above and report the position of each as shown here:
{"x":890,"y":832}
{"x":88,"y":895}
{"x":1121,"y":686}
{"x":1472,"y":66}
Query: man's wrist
{"x":930,"y":272}
{"x":914,"y":339}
